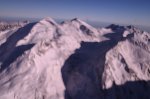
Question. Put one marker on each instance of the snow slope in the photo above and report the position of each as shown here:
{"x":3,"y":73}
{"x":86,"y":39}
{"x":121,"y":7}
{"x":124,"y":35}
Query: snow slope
{"x":73,"y":60}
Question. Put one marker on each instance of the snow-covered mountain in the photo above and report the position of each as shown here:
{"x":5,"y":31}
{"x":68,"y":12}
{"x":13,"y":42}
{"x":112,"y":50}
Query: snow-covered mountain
{"x":73,"y":60}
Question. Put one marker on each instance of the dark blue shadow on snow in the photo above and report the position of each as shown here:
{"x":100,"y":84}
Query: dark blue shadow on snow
{"x":8,"y":50}
{"x":82,"y":73}
{"x":18,"y":51}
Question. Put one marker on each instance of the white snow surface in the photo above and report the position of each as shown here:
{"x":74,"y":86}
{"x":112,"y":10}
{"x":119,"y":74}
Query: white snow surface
{"x":32,"y":58}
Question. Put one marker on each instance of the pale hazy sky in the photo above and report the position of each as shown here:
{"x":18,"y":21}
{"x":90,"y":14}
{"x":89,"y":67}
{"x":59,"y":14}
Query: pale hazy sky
{"x":118,"y":11}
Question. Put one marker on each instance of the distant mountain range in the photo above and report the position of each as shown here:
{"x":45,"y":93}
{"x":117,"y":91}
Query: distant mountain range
{"x":96,"y":24}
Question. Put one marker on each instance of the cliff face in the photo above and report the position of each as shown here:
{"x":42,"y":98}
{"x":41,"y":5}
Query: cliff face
{"x":74,"y":60}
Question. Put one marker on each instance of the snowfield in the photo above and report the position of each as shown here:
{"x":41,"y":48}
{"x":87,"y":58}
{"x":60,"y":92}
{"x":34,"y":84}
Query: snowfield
{"x":73,"y":60}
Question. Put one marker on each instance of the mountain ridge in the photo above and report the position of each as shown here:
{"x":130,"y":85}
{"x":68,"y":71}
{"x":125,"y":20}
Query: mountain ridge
{"x":50,"y":60}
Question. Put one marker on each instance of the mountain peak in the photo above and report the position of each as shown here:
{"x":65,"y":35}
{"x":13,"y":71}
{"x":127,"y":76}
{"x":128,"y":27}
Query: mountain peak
{"x":78,"y":20}
{"x":75,"y":19}
{"x":50,"y":20}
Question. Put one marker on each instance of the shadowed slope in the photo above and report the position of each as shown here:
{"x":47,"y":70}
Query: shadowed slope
{"x":130,"y":90}
{"x":82,"y":71}
{"x":18,"y":51}
{"x":7,"y":48}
